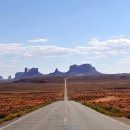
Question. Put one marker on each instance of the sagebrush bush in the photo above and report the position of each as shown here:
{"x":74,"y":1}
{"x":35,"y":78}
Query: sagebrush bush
{"x":2,"y":116}
{"x":128,"y":116}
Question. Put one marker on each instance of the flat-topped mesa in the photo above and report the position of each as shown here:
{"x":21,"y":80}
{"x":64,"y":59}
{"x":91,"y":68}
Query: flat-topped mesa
{"x":33,"y":72}
{"x":84,"y":69}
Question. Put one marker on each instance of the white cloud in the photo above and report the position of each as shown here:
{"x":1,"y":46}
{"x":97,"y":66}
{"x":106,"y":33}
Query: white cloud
{"x":95,"y":48}
{"x":110,"y":42}
{"x":32,"y":51}
{"x":38,"y":40}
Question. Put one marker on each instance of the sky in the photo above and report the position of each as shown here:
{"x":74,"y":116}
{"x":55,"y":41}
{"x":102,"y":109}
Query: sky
{"x":51,"y":34}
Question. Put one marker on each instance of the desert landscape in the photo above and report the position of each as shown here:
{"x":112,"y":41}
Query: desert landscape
{"x":110,"y":96}
{"x":19,"y":98}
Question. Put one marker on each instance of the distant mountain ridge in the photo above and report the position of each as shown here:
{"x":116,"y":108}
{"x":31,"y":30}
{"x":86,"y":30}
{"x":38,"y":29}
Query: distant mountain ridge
{"x":84,"y":69}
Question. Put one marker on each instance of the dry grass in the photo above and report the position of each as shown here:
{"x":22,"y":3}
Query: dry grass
{"x":17,"y":99}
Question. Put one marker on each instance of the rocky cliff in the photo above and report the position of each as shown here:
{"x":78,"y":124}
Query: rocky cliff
{"x":56,"y":73}
{"x":28,"y":73}
{"x":84,"y":69}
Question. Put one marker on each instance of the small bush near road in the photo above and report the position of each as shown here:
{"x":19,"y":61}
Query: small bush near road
{"x":110,"y":111}
{"x":128,"y":116}
{"x":2,"y":116}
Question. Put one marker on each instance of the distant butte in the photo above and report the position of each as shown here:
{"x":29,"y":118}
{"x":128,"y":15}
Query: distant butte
{"x":28,"y":73}
{"x":84,"y":69}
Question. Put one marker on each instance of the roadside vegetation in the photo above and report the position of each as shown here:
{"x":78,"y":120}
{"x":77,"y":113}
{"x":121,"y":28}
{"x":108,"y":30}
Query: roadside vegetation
{"x":128,"y":116}
{"x":4,"y":117}
{"x":20,"y":98}
{"x":109,"y":110}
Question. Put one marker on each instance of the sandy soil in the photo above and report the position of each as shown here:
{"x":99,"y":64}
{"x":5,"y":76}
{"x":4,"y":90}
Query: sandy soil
{"x":107,"y":99}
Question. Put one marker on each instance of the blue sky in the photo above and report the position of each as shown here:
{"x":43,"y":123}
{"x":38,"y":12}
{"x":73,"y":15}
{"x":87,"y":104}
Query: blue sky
{"x":51,"y":34}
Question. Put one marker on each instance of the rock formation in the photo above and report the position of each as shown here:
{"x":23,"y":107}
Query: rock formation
{"x":57,"y":73}
{"x":9,"y":77}
{"x":84,"y":69}
{"x":28,"y":73}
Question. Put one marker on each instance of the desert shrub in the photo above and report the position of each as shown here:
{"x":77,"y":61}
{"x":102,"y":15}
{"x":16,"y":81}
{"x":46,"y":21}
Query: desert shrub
{"x":128,"y":116}
{"x":2,"y":116}
{"x":111,"y":110}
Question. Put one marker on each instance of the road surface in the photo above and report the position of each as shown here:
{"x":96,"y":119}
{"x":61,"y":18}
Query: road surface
{"x":65,"y":115}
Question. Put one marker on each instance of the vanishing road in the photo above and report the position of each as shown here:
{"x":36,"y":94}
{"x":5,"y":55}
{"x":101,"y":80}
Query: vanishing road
{"x":65,"y":115}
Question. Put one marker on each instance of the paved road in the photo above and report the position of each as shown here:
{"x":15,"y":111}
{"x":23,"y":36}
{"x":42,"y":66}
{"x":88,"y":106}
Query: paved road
{"x":66,"y":115}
